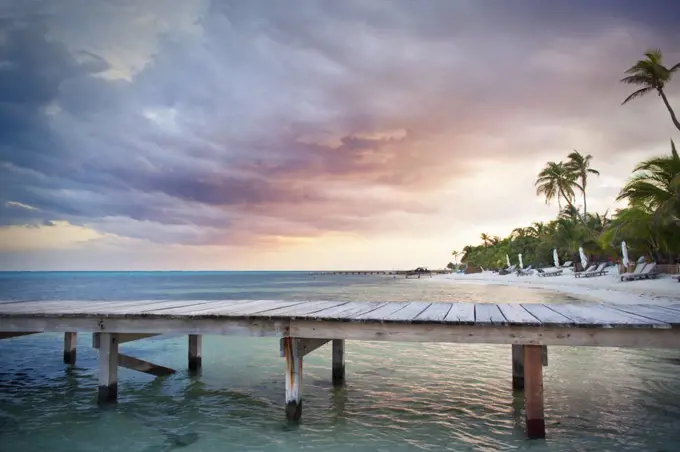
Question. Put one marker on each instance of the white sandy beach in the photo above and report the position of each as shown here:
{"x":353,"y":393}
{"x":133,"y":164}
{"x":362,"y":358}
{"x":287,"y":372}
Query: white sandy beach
{"x":607,"y":288}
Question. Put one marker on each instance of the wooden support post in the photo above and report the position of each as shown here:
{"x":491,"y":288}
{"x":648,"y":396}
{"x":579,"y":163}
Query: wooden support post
{"x":291,"y":351}
{"x":108,"y":367}
{"x":338,"y":362}
{"x":195,"y":352}
{"x":533,"y":392}
{"x":517,"y":367}
{"x":70,"y":348}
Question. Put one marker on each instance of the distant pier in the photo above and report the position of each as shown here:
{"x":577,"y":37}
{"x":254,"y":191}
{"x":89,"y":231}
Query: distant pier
{"x":406,"y":273}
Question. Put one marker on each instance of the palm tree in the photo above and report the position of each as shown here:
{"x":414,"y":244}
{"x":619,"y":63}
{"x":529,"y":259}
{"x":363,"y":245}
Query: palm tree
{"x":455,"y":255}
{"x":555,"y":181}
{"x":486,"y":238}
{"x":579,"y":165}
{"x":652,"y":75}
{"x":656,"y":184}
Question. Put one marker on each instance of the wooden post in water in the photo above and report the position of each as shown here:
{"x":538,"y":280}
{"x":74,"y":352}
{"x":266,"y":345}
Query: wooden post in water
{"x":533,"y":391}
{"x":291,"y":351}
{"x":108,"y":367}
{"x":195,"y":352}
{"x":70,"y":348}
{"x":338,"y":361}
{"x":517,"y":367}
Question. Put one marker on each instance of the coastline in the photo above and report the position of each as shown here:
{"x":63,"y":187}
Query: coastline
{"x":608,"y":288}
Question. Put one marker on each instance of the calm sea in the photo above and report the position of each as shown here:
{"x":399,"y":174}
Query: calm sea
{"x":398,"y":397}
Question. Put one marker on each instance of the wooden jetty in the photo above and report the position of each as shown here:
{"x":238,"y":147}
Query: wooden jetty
{"x":305,"y":326}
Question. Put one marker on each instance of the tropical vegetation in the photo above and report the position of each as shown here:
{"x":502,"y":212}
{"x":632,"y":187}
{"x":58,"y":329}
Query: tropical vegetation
{"x":649,"y":224}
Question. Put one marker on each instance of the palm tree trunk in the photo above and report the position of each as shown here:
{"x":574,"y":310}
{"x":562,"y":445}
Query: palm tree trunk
{"x":583,"y":190}
{"x":670,"y":110}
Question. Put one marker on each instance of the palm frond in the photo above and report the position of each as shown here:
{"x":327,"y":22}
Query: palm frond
{"x":638,"y":93}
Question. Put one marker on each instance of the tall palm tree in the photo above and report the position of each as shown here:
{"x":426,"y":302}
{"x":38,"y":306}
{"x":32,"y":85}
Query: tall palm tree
{"x":486,"y":238}
{"x":579,"y":165}
{"x":555,"y":181}
{"x":656,"y":184}
{"x":652,"y":75}
{"x":455,"y":255}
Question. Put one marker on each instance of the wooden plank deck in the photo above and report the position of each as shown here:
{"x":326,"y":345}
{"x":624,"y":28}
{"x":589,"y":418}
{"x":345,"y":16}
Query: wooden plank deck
{"x":304,"y":326}
{"x":511,"y":323}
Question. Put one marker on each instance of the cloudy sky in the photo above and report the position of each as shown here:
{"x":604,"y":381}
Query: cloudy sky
{"x":198,"y":134}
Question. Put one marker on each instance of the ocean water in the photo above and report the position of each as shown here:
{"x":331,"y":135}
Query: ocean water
{"x":397,"y":396}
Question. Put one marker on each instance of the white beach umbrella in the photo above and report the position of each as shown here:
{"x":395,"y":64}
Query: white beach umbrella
{"x":624,"y":251}
{"x":584,"y":259}
{"x":556,"y":258}
{"x":507,"y":259}
{"x":521,"y":264}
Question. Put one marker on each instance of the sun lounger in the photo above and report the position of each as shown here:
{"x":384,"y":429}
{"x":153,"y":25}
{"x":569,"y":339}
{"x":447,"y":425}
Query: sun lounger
{"x":508,"y":270}
{"x":525,"y":271}
{"x":599,"y":271}
{"x":635,"y":273}
{"x":649,"y":272}
{"x":550,"y":272}
{"x":587,"y":270}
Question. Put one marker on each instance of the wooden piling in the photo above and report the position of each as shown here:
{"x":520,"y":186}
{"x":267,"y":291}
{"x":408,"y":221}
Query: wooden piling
{"x":195,"y":352}
{"x":533,"y":391}
{"x":293,"y":378}
{"x":70,"y":348}
{"x":338,"y":361}
{"x":108,"y":367}
{"x":517,"y":367}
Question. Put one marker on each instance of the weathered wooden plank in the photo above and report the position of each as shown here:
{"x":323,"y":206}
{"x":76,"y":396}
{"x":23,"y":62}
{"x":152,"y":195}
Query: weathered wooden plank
{"x":191,"y":310}
{"x":462,"y":313}
{"x":16,"y":334}
{"x":436,"y":312}
{"x":37,"y":306}
{"x":490,"y":334}
{"x":533,"y":392}
{"x":349,"y":311}
{"x":130,"y":362}
{"x":657,"y":313}
{"x":408,"y":313}
{"x":108,"y":368}
{"x":195,"y":352}
{"x":161,"y":308}
{"x":382,"y":311}
{"x":516,"y":314}
{"x":338,"y":362}
{"x":252,"y":308}
{"x":303,"y":309}
{"x":70,"y":340}
{"x":591,"y":315}
{"x":488,"y":314}
{"x":108,"y":307}
{"x":293,"y":379}
{"x":547,"y":316}
{"x":148,"y":324}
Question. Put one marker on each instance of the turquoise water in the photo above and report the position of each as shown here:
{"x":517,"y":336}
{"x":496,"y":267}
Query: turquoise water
{"x":397,"y":397}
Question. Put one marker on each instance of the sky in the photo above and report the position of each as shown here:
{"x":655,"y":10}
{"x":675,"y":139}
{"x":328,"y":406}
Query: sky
{"x":265,"y":135}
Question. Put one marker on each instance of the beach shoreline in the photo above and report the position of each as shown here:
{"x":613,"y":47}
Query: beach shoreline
{"x":608,"y":288}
